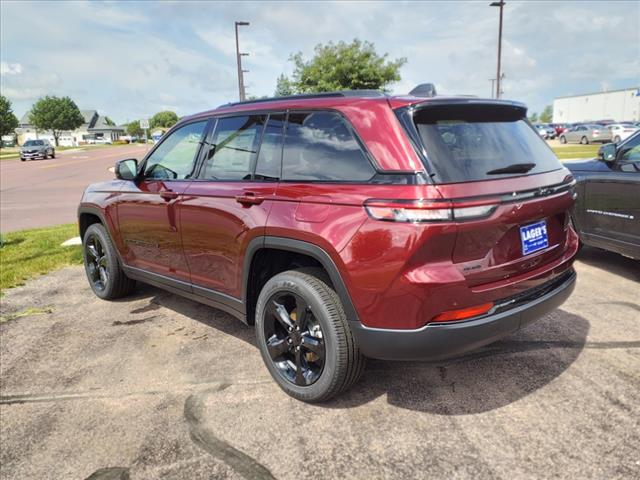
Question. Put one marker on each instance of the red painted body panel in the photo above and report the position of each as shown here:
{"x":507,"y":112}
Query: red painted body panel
{"x":216,"y":230}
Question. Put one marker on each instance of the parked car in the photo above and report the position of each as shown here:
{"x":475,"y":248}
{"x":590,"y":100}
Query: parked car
{"x":551,"y":131}
{"x":320,"y":220}
{"x":99,"y":141}
{"x":37,"y":149}
{"x":586,"y":134}
{"x":621,"y":131}
{"x":542,"y":130}
{"x":559,"y":128}
{"x":607,"y":211}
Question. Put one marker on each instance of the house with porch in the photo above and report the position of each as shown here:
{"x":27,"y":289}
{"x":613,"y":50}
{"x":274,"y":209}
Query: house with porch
{"x":95,"y":126}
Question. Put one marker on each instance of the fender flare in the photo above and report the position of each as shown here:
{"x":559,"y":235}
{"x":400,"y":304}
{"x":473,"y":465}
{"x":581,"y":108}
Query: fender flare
{"x":305,"y":248}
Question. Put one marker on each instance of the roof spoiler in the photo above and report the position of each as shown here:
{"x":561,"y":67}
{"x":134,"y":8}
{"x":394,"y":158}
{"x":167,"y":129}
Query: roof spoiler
{"x":424,"y":90}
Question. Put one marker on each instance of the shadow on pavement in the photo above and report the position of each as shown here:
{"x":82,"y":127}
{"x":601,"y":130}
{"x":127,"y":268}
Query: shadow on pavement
{"x":483,"y":380}
{"x":611,"y":262}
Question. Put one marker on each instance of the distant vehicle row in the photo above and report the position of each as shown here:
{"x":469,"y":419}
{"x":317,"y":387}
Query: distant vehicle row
{"x":604,"y":132}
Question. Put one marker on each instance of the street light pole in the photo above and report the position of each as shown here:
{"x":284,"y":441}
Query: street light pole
{"x":239,"y":55}
{"x":500,"y":4}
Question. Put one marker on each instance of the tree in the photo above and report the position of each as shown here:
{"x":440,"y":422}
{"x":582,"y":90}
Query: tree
{"x":56,"y":114}
{"x":134,"y":130}
{"x":164,"y":119}
{"x":547,"y":114}
{"x":109,"y":122}
{"x":344,"y":66}
{"x":8,"y":121}
{"x":284,"y":87}
{"x":533,"y":117}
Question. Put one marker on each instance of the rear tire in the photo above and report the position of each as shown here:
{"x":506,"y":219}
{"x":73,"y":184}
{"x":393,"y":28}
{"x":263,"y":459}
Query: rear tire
{"x":563,"y":139}
{"x":53,"y":154}
{"x":103,"y":269}
{"x":584,"y":141}
{"x":297,"y":309}
{"x":617,"y":139}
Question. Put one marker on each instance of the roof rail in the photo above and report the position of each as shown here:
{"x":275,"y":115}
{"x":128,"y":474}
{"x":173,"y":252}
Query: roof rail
{"x":304,"y":96}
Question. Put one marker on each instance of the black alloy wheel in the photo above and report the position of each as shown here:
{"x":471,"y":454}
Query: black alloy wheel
{"x":294,"y":338}
{"x":97,"y":262}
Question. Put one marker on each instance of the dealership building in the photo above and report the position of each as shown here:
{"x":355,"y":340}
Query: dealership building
{"x":619,"y":105}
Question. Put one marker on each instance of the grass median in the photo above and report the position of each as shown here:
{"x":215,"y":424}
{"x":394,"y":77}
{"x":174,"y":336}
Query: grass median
{"x":25,"y":254}
{"x":575,"y":151}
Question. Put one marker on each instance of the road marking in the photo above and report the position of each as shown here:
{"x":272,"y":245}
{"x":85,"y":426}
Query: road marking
{"x":101,"y":157}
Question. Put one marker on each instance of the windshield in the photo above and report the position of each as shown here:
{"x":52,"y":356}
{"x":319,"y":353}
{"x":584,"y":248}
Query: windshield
{"x":33,"y":143}
{"x":477,"y":142}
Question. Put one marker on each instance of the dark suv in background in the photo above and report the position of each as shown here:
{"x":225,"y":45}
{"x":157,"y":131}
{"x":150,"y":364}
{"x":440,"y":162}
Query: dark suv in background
{"x":607,"y":211}
{"x":344,"y":225}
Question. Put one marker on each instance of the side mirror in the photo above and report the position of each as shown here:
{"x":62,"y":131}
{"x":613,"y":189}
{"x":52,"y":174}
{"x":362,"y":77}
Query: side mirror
{"x":127,"y":169}
{"x":607,"y":152}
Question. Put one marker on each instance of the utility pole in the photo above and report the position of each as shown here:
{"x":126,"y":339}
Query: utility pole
{"x":241,"y":93}
{"x":493,"y":84}
{"x":500,"y":4}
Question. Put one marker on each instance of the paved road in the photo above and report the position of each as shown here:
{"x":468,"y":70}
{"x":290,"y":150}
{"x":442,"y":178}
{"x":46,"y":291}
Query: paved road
{"x":162,"y":387}
{"x":40,"y":193}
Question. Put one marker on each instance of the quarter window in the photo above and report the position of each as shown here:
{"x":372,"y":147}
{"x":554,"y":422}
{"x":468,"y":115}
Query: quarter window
{"x":321,"y":146}
{"x":233,"y":148}
{"x":175,"y":156}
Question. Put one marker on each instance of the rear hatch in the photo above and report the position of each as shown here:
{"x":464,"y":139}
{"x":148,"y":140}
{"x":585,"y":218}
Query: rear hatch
{"x":512,"y":193}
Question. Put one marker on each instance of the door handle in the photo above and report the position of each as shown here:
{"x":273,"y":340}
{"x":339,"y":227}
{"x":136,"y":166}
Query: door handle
{"x":168,"y":195}
{"x":249,"y":198}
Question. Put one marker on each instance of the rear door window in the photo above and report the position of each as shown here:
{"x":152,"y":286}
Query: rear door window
{"x":479,"y":142}
{"x":270,"y":156}
{"x":233,"y":148}
{"x":320,"y":146}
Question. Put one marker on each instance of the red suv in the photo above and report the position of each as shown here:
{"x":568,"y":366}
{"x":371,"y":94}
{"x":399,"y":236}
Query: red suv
{"x":343,"y":226}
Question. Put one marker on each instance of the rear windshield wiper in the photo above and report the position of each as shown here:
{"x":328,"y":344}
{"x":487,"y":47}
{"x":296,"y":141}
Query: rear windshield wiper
{"x":515,"y":168}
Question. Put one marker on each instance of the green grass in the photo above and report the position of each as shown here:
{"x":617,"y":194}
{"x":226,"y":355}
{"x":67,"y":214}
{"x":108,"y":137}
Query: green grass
{"x":28,"y":253}
{"x":576,"y":151}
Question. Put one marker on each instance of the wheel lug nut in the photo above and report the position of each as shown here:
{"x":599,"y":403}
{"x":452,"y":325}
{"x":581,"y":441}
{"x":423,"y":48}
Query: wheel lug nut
{"x":289,"y":341}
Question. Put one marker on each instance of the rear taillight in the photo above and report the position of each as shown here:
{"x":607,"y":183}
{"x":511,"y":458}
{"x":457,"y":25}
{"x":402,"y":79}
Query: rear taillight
{"x":463,"y":313}
{"x":421,"y":211}
{"x":596,"y":132}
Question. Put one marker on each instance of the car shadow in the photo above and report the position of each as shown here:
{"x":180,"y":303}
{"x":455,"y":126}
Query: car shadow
{"x":485,"y":379}
{"x":611,"y":262}
{"x":488,"y":378}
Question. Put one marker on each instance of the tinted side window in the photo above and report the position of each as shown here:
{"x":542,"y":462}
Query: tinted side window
{"x":233,"y":148}
{"x":270,"y":156}
{"x":321,"y":146}
{"x":175,"y":156}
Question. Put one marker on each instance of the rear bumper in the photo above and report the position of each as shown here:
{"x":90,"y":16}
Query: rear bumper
{"x":438,"y":341}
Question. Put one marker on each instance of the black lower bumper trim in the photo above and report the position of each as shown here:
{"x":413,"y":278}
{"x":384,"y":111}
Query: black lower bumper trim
{"x":438,"y":341}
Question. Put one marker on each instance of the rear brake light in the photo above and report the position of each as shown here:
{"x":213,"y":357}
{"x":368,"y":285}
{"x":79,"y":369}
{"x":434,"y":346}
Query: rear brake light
{"x":420,"y":211}
{"x":463,"y":313}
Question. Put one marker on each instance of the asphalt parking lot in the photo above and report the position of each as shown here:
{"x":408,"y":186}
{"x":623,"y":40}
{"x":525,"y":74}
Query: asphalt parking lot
{"x":157,"y":386}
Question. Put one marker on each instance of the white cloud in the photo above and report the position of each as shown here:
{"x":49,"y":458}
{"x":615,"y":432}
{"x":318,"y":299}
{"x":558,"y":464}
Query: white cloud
{"x":132,"y":59}
{"x":10,"y":69}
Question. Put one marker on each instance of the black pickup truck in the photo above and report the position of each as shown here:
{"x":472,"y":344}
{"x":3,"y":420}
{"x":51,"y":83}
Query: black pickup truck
{"x":607,"y":210}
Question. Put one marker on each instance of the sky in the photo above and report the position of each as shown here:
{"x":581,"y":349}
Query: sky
{"x":130,"y":59}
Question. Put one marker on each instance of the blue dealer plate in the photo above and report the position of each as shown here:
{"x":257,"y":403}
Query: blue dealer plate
{"x":534,"y":237}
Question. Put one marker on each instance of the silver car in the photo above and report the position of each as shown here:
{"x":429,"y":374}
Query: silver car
{"x":586,"y":134}
{"x":36,"y":149}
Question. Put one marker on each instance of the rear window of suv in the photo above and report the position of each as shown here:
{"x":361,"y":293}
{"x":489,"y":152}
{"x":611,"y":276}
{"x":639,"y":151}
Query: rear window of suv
{"x":481,"y":142}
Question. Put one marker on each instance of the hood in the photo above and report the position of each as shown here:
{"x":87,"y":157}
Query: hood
{"x":587,"y":165}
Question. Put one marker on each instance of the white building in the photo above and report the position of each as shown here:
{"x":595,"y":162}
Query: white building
{"x":618,"y":105}
{"x":94,"y":126}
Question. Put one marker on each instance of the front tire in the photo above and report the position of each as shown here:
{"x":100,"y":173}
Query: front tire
{"x":617,"y":139}
{"x":103,"y":269}
{"x":304,"y":336}
{"x":563,"y":139}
